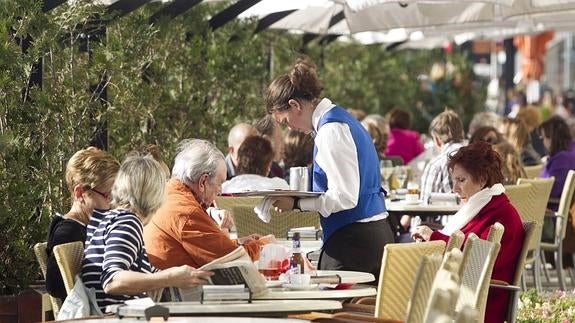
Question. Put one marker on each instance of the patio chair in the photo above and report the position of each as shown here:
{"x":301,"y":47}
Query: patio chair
{"x":435,"y":278}
{"x":396,"y":280}
{"x":247,"y":222}
{"x":519,"y":195}
{"x":398,"y":271}
{"x":561,"y":217}
{"x":455,"y":241}
{"x":42,"y":257}
{"x":533,"y":171}
{"x":532,"y":209}
{"x":444,"y":290}
{"x":69,"y":258}
{"x":529,"y":228}
{"x":475,"y":272}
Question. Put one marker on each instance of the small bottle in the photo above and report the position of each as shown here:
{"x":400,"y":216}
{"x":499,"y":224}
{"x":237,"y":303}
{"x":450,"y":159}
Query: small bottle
{"x":296,"y":259}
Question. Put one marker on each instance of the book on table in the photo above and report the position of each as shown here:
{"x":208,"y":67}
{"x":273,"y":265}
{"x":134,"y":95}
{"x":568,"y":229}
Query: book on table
{"x":305,"y":233}
{"x":233,"y":274}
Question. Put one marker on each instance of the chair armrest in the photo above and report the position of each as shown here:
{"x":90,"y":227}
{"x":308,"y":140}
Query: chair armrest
{"x":370,"y":300}
{"x":554,"y":200}
{"x":350,"y":317}
{"x":313,"y":316}
{"x":500,"y":284}
{"x":361,"y":309}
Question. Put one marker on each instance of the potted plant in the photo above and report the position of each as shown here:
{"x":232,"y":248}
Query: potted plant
{"x":547,"y":307}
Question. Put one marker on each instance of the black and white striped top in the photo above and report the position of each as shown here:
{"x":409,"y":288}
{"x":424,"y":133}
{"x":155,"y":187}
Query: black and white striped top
{"x":114,"y":242}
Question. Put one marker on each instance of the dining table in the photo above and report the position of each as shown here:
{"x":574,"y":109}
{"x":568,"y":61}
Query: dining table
{"x":402,"y":207}
{"x":255,"y":308}
{"x":350,"y":285}
{"x":434,"y":215}
{"x":189,"y":319}
{"x":318,"y":293}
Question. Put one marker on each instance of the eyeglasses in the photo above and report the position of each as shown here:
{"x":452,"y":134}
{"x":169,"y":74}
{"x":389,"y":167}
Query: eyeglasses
{"x":102,"y":194}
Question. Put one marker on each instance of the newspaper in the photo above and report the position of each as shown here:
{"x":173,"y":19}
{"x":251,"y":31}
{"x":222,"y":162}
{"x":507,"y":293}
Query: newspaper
{"x":235,"y":268}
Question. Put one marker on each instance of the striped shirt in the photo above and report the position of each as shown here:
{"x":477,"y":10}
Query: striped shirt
{"x":114,"y":242}
{"x":435,"y":178}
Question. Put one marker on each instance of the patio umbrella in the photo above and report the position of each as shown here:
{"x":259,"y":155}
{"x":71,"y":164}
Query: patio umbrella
{"x":357,"y":5}
{"x":373,"y":21}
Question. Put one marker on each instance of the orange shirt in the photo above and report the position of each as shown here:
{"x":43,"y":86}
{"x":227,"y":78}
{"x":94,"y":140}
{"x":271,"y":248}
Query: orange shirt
{"x":181,"y":232}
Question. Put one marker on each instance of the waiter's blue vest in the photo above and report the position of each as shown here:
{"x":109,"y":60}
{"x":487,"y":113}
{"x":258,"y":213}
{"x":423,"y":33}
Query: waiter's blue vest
{"x":371,"y":200}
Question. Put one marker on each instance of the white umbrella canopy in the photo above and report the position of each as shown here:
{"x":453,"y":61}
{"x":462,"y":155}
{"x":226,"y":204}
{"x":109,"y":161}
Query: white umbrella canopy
{"x":389,"y":15}
{"x":487,"y":18}
{"x":357,"y":5}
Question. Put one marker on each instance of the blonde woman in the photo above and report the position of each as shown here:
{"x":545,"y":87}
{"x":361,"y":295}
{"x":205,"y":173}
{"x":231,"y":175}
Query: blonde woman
{"x":90,"y":174}
{"x":517,"y":133}
{"x":115,"y":262}
{"x":512,"y":168}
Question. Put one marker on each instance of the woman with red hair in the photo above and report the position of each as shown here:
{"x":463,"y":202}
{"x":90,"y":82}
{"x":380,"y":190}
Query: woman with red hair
{"x":476,"y":175}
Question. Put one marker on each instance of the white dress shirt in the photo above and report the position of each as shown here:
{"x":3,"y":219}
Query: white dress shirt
{"x":337,"y":156}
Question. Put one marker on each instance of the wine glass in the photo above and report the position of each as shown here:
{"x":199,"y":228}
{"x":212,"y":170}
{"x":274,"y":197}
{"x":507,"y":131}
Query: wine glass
{"x":386,"y":169}
{"x":400,"y":173}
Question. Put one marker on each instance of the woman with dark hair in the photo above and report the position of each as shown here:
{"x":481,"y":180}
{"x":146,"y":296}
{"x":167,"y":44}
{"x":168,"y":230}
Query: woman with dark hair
{"x":476,"y":174}
{"x":345,"y":170}
{"x":255,"y":158}
{"x":559,"y":143}
{"x":402,"y":142}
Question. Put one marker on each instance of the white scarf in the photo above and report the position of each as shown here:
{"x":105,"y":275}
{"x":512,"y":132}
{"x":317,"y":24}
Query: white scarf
{"x":470,"y":209}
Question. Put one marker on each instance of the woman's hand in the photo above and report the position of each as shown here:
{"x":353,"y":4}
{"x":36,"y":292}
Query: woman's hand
{"x":284,"y":203}
{"x":187,"y":277}
{"x":270,"y":238}
{"x":422,"y":233}
{"x":248,"y":239}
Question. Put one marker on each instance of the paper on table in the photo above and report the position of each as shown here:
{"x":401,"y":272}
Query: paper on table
{"x":146,"y":301}
{"x":311,"y":228}
{"x":443,"y":198}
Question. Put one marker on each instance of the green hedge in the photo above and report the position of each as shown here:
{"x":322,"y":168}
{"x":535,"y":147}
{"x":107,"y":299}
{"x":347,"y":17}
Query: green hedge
{"x":165,"y":82}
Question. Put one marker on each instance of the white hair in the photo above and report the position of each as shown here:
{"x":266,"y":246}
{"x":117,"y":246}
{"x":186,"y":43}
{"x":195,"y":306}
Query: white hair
{"x":140,"y":185}
{"x":196,"y":157}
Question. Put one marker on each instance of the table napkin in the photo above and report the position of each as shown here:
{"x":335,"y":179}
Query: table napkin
{"x":263,"y":209}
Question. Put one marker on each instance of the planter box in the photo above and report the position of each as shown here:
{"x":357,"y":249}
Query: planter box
{"x":23,"y":308}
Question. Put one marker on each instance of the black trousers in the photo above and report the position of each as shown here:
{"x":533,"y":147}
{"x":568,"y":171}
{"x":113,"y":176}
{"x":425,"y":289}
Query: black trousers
{"x":357,"y":247}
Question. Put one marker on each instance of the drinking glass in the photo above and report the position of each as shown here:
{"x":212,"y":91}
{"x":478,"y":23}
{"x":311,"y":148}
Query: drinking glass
{"x":400,"y":173}
{"x":386,"y":169}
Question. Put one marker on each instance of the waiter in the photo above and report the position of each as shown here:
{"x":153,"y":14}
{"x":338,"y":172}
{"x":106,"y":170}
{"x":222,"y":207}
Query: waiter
{"x":345,"y":169}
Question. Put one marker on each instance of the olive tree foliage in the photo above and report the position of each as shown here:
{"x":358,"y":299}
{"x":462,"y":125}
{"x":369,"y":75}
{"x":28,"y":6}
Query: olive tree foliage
{"x":154,"y":83}
{"x":178,"y":79}
{"x":39,"y":126}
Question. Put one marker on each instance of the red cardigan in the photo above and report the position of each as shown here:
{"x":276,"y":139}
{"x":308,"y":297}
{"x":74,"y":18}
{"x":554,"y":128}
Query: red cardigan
{"x":499,"y":209}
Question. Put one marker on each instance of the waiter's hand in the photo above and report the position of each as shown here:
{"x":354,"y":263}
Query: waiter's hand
{"x":284,"y":203}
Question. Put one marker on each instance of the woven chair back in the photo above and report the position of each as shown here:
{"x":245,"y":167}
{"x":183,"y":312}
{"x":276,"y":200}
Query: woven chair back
{"x":247,"y":222}
{"x":42,"y":257}
{"x":69,"y":258}
{"x":396,"y":279}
